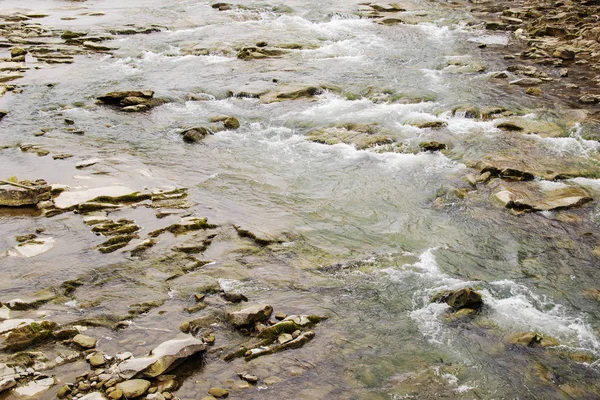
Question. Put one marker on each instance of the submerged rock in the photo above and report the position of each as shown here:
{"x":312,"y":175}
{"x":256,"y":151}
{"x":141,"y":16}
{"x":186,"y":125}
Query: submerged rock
{"x":85,"y":342}
{"x":196,"y":134}
{"x":459,"y":299}
{"x":164,"y":357}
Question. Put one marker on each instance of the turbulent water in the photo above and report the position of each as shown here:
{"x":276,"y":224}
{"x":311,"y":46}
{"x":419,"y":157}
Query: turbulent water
{"x":369,"y":242}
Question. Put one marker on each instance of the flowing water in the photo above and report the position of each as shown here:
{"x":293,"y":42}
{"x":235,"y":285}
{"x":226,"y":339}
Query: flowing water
{"x":369,"y":244}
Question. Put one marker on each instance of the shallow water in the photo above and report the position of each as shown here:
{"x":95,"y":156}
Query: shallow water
{"x":384,"y":339}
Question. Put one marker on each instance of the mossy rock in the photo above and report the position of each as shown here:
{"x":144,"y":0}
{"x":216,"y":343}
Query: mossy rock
{"x":30,"y":335}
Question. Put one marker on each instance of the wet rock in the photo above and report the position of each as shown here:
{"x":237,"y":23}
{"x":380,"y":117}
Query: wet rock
{"x":6,"y":384}
{"x":84,"y":342}
{"x":432,"y":146}
{"x":246,"y":376}
{"x":361,"y":136}
{"x":26,"y":336}
{"x":161,"y":359}
{"x":228,"y":122}
{"x":260,"y":53}
{"x":35,"y":388}
{"x":133,"y":388}
{"x":459,"y":299}
{"x":218,"y":393}
{"x":590,"y":99}
{"x":118,"y":97}
{"x":432,"y":124}
{"x":3,"y":113}
{"x":17,"y":51}
{"x":499,"y":75}
{"x":250,"y":315}
{"x":532,"y":197}
{"x":23,"y":193}
{"x":298,"y":342}
{"x":533,"y":339}
{"x":87,"y":163}
{"x":534,"y":91}
{"x":97,"y":359}
{"x":564,"y":54}
{"x":234,"y":297}
{"x":526,"y":82}
{"x":196,"y":134}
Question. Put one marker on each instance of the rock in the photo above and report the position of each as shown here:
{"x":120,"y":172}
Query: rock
{"x":195,"y":134}
{"x":133,"y":388}
{"x":284,"y":338}
{"x":530,"y":196}
{"x":93,"y":396}
{"x":155,"y":396}
{"x":35,"y":388}
{"x":137,"y":108}
{"x":208,"y":398}
{"x":526,"y":82}
{"x":64,"y":391}
{"x":13,"y":194}
{"x":3,"y":113}
{"x":228,"y":122}
{"x":7,"y":383}
{"x":564,"y":54}
{"x":499,"y":75}
{"x":118,"y":97}
{"x":590,"y":99}
{"x":432,"y":146}
{"x":248,"y":377}
{"x":115,"y":394}
{"x":167,"y":355}
{"x":298,"y":342}
{"x":250,"y":315}
{"x":234,"y":297}
{"x":280,"y":316}
{"x":219,"y":393}
{"x":85,"y":342}
{"x":87,"y":163}
{"x":461,"y":298}
{"x":97,"y":359}
{"x":534,"y":91}
{"x":17,"y":51}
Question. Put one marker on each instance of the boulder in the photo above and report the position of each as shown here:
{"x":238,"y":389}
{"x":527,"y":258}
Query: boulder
{"x":218,"y":393}
{"x":133,"y":388}
{"x":164,"y":357}
{"x":459,"y":299}
{"x":432,"y":146}
{"x":250,"y":315}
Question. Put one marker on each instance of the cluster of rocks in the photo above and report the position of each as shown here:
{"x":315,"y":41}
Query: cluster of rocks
{"x":267,"y":336}
{"x":125,"y":377}
{"x":560,"y":35}
{"x":131,"y":100}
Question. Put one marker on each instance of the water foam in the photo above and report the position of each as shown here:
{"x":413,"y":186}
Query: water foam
{"x":513,"y":306}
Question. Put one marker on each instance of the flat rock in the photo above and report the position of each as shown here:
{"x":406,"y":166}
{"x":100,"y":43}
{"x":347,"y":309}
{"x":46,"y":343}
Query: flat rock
{"x":161,"y":359}
{"x":32,"y":248}
{"x":527,"y":82}
{"x":10,"y":324}
{"x":35,"y":388}
{"x":87,"y":163}
{"x":68,"y":198}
